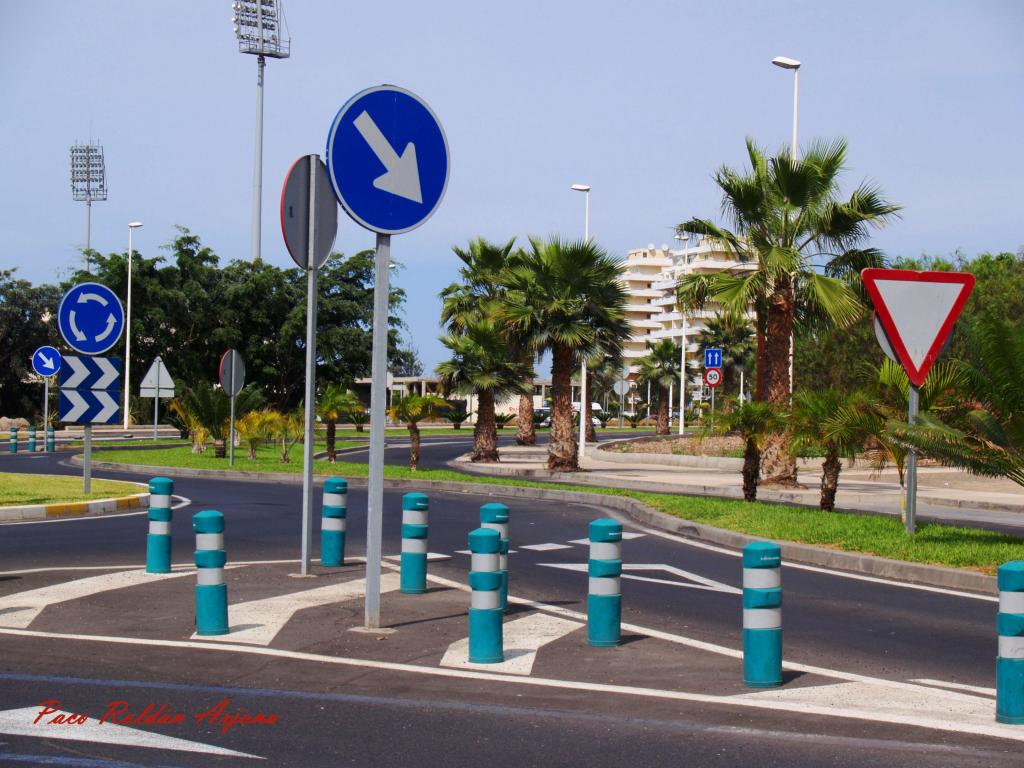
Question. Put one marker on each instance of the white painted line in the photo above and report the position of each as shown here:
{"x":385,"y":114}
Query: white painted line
{"x":183,"y":503}
{"x":19,"y":722}
{"x":21,"y":608}
{"x":463,"y":552}
{"x":814,"y":568}
{"x":544,"y":547}
{"x":259,"y":621}
{"x":696,"y":581}
{"x":629,"y":535}
{"x":951,"y":723}
{"x":431,"y":556}
{"x":957,"y":686}
{"x":178,"y":566}
{"x":585,"y":542}
{"x":521,"y":638}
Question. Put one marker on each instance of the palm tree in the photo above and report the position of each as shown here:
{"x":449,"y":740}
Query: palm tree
{"x":205,"y":409}
{"x":786,"y":218}
{"x":482,"y":364}
{"x":754,"y":421}
{"x":335,"y":403}
{"x":660,"y":367}
{"x":984,"y":432}
{"x":565,"y":297}
{"x":736,"y":340}
{"x":256,"y":427}
{"x":412,"y":410}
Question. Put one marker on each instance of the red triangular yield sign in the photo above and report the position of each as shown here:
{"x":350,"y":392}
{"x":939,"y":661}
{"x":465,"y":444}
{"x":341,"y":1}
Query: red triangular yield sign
{"x":917,"y":311}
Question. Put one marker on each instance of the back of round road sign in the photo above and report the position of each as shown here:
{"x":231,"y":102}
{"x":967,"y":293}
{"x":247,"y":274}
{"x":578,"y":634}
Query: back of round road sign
{"x":232,"y":372}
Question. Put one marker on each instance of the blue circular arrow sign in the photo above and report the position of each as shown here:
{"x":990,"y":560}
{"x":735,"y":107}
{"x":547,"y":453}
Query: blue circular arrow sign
{"x":90,"y":318}
{"x":387,"y":158}
{"x":46,"y":361}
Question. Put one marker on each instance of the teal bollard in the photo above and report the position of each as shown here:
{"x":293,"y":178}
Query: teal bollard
{"x":762,"y":615}
{"x":158,"y":541}
{"x":14,"y":440}
{"x":51,"y":440}
{"x":333,"y":522}
{"x":211,"y":589}
{"x":494,"y":516}
{"x":415,"y":507}
{"x":31,"y":439}
{"x":604,"y":596}
{"x":486,"y":644}
{"x":1010,"y":659}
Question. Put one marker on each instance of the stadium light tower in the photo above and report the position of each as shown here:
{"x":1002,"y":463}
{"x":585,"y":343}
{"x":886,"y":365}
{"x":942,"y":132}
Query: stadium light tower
{"x":88,"y":182}
{"x":262,"y":31}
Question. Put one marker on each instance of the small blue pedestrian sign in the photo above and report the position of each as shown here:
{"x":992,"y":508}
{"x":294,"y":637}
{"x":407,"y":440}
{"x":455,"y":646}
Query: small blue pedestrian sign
{"x":712,"y":357}
{"x":46,"y":361}
{"x":90,"y":318}
{"x":387,"y":158}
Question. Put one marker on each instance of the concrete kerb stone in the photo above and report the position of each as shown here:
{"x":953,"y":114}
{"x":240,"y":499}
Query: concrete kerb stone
{"x":869,"y":565}
{"x":136,"y":501}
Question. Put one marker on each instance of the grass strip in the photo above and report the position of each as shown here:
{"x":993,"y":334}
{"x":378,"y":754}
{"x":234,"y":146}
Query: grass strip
{"x":933,"y":544}
{"x":25,"y":490}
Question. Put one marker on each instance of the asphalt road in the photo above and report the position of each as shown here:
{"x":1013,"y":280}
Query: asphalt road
{"x":861,"y":627}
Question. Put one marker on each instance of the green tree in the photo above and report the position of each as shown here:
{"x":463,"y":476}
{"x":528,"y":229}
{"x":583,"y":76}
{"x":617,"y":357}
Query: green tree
{"x":660,"y":368}
{"x":335,"y":404}
{"x":566,"y":297}
{"x":786,"y":218}
{"x":26,"y":322}
{"x":754,"y":421}
{"x":411,"y":411}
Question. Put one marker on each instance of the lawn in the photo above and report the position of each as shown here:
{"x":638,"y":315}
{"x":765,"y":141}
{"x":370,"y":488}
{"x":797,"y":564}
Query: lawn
{"x":870,"y":534}
{"x":23,"y":490}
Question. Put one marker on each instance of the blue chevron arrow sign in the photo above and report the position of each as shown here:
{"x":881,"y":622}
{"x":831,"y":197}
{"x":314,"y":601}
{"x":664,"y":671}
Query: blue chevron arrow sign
{"x":89,"y":406}
{"x":90,"y":373}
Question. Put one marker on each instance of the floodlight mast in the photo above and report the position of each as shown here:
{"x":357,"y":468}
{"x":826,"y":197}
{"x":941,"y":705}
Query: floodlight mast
{"x":261,"y":30}
{"x":88,"y":183}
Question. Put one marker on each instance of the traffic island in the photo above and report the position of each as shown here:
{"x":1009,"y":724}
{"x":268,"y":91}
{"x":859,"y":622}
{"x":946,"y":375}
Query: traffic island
{"x":52,"y":496}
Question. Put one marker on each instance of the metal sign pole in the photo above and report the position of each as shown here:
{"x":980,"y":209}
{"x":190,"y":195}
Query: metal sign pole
{"x":375,"y":498}
{"x":87,"y":460}
{"x":231,"y":430}
{"x":310,"y":403}
{"x":46,"y":406}
{"x":911,"y":522}
{"x":156,"y":399}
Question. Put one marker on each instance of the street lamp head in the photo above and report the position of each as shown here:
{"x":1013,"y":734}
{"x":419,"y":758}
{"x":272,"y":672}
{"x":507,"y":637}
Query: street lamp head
{"x":785,"y":62}
{"x":581,"y":187}
{"x":683,"y":237}
{"x":134,"y":225}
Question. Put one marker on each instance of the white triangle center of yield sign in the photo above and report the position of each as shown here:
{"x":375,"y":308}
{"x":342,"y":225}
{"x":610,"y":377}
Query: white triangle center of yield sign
{"x":918,"y":311}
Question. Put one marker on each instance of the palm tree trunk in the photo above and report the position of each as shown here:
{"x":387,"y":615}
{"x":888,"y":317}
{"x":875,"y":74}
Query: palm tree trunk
{"x":485,"y":433}
{"x":759,"y":328}
{"x":751,"y":469}
{"x":830,"y":481}
{"x":591,"y":433}
{"x":526,"y":431}
{"x":414,"y":446}
{"x":778,"y":465}
{"x":561,"y":447}
{"x":331,"y":455}
{"x":662,"y":411}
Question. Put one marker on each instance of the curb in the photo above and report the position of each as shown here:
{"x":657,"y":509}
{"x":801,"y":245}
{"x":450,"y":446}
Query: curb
{"x":880,"y":567}
{"x":74,"y":508}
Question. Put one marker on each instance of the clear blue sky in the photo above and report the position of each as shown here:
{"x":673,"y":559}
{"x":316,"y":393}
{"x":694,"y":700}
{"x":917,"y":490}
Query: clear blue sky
{"x":642,"y":100}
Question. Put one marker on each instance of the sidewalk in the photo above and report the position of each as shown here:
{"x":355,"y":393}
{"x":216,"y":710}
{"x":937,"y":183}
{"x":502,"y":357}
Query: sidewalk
{"x":943,"y":494}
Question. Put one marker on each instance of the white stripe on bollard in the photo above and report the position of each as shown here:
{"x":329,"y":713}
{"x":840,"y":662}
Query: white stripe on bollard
{"x":332,"y":523}
{"x":209,"y":541}
{"x":485,"y":600}
{"x":1011,"y":602}
{"x":483,"y":561}
{"x":501,"y":528}
{"x":762,"y":578}
{"x":605,"y":586}
{"x":1011,"y":647}
{"x":414,"y":546}
{"x":606,"y":550}
{"x":414,"y":517}
{"x":335,"y":499}
{"x":159,"y":527}
{"x":159,"y":501}
{"x":209,"y":576}
{"x":762,"y":618}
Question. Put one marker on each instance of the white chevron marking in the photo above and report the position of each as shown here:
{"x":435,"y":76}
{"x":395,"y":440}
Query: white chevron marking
{"x":79,"y":372}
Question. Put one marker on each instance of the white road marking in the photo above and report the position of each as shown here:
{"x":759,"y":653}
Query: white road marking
{"x":259,"y":621}
{"x":700,"y":581}
{"x":545,"y":547}
{"x":953,"y":722}
{"x":957,"y":686}
{"x":521,"y":638}
{"x":431,"y":557}
{"x":19,"y":722}
{"x":21,"y":608}
{"x":183,"y":503}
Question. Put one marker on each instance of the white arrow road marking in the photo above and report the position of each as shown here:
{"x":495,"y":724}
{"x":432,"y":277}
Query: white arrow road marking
{"x":79,"y":405}
{"x":701,"y":581}
{"x":84,"y":297}
{"x":79,"y":336}
{"x":521,"y":639}
{"x":47,"y":361}
{"x":259,"y":621}
{"x":19,"y":722}
{"x":111,"y":322}
{"x":21,"y":608}
{"x":79,"y":371}
{"x":109,"y":406}
{"x":108,"y":373}
{"x":403,"y":174}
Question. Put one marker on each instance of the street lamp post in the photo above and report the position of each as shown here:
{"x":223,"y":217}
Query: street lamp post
{"x":128,"y":325}
{"x":683,"y":238}
{"x":585,"y":189}
{"x":787,"y":63}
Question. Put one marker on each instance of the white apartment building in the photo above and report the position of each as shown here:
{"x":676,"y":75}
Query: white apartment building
{"x":651,"y":275}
